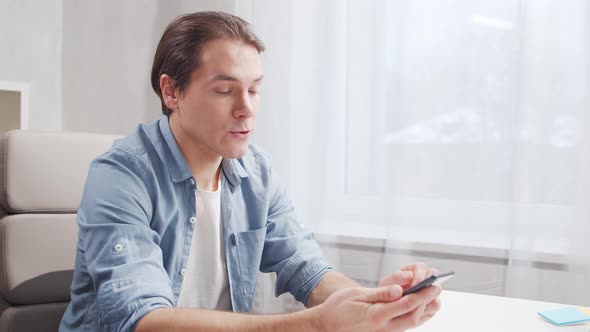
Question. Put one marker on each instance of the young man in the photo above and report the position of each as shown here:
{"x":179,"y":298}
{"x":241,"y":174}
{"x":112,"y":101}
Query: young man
{"x":177,"y":218}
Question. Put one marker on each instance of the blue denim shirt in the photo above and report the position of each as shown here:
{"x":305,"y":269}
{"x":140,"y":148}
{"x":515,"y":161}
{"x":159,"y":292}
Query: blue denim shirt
{"x":135,"y":233}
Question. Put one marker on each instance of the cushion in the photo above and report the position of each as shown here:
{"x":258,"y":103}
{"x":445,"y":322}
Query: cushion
{"x":37,"y":253}
{"x":46,"y":171}
{"x":38,"y":318}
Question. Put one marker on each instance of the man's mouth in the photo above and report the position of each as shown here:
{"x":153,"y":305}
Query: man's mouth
{"x":240,"y":134}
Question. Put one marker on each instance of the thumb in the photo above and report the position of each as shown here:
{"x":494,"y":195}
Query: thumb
{"x":383,"y":294}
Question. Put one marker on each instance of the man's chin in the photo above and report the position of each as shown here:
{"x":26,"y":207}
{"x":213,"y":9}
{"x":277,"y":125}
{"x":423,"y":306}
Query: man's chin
{"x":236,"y":153}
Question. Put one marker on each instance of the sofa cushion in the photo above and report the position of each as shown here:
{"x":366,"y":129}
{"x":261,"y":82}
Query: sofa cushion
{"x":37,"y":253}
{"x":46,"y":171}
{"x":38,"y":318}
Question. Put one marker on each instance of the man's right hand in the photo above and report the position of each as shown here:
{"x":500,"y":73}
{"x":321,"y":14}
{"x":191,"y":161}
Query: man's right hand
{"x":376,"y":309}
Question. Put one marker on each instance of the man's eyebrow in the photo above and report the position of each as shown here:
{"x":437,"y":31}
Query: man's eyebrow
{"x":224,"y":77}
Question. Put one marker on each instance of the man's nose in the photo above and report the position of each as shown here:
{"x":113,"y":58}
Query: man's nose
{"x":245,"y":106}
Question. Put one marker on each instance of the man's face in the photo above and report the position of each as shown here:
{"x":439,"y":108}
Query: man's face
{"x":217,"y":110}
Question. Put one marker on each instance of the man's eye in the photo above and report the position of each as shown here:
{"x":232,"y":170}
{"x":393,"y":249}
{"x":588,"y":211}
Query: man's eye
{"x":253,"y":92}
{"x":224,"y":92}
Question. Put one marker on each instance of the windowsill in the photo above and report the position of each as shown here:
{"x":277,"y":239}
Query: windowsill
{"x":537,"y":250}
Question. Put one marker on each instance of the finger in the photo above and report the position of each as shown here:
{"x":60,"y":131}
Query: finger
{"x":408,"y":320}
{"x":431,"y":271}
{"x":419,"y":269}
{"x":416,"y":317}
{"x":433,"y":307}
{"x":434,"y":292}
{"x":424,"y":296}
{"x":401,"y":278}
{"x":424,"y":319}
{"x":382,"y":294}
{"x":406,"y":304}
{"x":414,"y":266}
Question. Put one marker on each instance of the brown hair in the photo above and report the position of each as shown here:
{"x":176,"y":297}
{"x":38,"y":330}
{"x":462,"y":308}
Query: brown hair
{"x":179,"y":49}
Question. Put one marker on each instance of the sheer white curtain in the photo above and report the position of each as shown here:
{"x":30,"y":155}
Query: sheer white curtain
{"x":460,"y":123}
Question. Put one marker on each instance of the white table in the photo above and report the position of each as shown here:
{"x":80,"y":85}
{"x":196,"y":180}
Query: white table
{"x":482,"y":313}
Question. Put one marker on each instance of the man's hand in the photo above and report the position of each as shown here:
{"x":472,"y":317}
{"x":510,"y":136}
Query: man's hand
{"x":345,"y":306}
{"x":408,"y":276}
{"x":376,"y":309}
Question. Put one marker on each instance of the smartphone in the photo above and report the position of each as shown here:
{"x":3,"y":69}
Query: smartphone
{"x":435,"y":278}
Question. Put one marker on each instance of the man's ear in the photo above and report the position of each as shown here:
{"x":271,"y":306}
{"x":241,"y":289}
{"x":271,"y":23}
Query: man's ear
{"x":169,"y":93}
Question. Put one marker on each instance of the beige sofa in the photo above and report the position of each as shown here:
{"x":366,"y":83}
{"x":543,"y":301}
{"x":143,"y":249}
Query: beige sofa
{"x":41,"y":180}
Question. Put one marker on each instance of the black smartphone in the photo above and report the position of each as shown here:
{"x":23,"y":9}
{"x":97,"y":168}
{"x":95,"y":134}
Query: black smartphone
{"x":438,"y":278}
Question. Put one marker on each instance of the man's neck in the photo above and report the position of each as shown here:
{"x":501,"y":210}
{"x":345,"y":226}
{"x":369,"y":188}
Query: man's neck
{"x":206,"y":174}
{"x":204,"y":164}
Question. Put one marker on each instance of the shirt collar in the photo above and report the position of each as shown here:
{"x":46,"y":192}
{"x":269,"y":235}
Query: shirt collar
{"x":179,"y":170}
{"x":233,"y":171}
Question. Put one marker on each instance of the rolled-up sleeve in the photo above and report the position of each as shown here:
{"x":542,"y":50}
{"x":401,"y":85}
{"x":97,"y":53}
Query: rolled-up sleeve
{"x":289,"y":250}
{"x":122,"y":253}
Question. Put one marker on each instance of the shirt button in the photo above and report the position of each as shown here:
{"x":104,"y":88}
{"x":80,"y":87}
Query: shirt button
{"x":183,"y":272}
{"x":193,"y":220}
{"x":192,"y":182}
{"x":118,"y":247}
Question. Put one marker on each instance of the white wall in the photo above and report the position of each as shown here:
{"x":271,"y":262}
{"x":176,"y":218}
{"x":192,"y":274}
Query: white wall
{"x":107,"y":56}
{"x":30,"y":39}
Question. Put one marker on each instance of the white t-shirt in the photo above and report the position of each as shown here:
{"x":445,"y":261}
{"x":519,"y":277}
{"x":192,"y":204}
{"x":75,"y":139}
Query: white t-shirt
{"x":205,"y":284}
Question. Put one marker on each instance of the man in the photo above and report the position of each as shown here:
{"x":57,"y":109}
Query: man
{"x":177,"y":218}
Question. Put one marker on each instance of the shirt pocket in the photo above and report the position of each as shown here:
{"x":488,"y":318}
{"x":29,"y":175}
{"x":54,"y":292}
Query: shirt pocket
{"x":250,"y":245}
